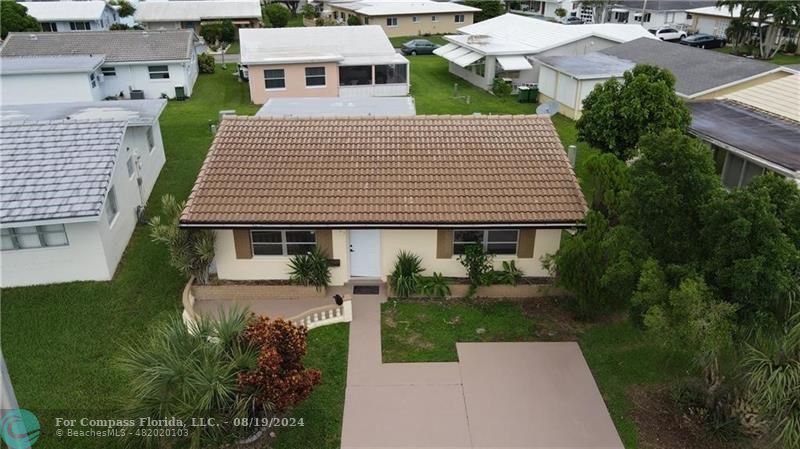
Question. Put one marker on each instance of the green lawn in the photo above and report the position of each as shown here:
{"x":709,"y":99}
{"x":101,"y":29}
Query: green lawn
{"x":779,"y":59}
{"x":59,"y":341}
{"x":617,"y":353}
{"x":233,"y":49}
{"x":428,"y":331}
{"x":322,"y":412}
{"x":398,"y":41}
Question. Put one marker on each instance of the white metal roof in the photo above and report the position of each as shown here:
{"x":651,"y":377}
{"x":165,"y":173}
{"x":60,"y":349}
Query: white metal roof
{"x":780,"y":97}
{"x":353,"y":45}
{"x":338,"y":107}
{"x":512,"y":34}
{"x":716,"y":11}
{"x":62,"y":11}
{"x":134,"y":113}
{"x":399,"y":7}
{"x":169,"y":11}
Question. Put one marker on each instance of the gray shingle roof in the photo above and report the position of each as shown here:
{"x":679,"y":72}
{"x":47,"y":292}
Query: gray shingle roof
{"x":696,"y":70}
{"x":118,"y":46}
{"x":56,"y":169}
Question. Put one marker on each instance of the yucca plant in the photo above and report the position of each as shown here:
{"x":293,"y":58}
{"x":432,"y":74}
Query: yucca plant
{"x":189,"y":372}
{"x":405,"y":277}
{"x":435,"y":286}
{"x":510,"y":274}
{"x":191,"y":251}
{"x":311,"y":268}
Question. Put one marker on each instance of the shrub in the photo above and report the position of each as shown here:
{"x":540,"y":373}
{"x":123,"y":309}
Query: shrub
{"x":353,"y":21}
{"x":277,"y":15}
{"x":206,"y":63}
{"x":405,"y":277}
{"x":510,"y":274}
{"x":501,"y":88}
{"x":478,"y":264}
{"x":191,"y":251}
{"x":119,"y":27}
{"x":310,"y":269}
{"x":434,"y":286}
{"x":280,"y":378}
{"x":561,"y":12}
{"x":309,"y":11}
{"x":790,"y":47}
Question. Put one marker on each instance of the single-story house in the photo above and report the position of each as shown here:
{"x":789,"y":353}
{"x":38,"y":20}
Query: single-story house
{"x":135,"y":64}
{"x":93,"y":15}
{"x":700,"y":74}
{"x":403,"y":17}
{"x":715,"y":20}
{"x":364,"y":189}
{"x":190,"y":15}
{"x":322,"y":62}
{"x":508,"y":46}
{"x":753,"y":131}
{"x":338,"y":107}
{"x":75,"y":178}
{"x":657,"y":13}
{"x":547,"y":8}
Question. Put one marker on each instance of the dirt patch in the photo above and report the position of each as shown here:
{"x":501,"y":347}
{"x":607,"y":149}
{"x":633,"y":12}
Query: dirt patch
{"x":662,"y":425}
{"x":553,"y":321}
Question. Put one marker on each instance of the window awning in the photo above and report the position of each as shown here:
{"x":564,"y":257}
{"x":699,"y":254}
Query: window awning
{"x":513,"y":63}
{"x":458,"y":55}
{"x":447,"y":48}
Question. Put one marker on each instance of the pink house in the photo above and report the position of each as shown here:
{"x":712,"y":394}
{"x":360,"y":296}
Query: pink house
{"x":322,"y":62}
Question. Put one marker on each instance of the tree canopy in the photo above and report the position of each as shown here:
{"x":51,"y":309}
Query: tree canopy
{"x":617,"y":113}
{"x":14,"y":17}
{"x":277,"y":15}
{"x":488,"y":9}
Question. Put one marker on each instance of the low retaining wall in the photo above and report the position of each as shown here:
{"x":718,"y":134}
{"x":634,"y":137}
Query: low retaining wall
{"x":254,"y":292}
{"x":322,"y":316}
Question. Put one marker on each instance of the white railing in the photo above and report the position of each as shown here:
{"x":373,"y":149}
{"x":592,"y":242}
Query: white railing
{"x":323,"y":316}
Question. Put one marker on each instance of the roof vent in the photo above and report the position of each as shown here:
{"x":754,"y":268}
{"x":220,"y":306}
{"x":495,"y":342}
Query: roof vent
{"x":34,"y":37}
{"x":478,"y":39}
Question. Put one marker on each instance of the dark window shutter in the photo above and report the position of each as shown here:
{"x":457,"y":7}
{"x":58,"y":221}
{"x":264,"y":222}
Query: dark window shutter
{"x":444,"y":243}
{"x":242,"y":244}
{"x":527,"y":239}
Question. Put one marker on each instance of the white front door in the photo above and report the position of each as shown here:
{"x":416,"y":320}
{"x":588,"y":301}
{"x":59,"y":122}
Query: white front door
{"x":365,"y":253}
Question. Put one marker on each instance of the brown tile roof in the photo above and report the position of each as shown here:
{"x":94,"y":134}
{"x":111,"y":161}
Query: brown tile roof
{"x":421,"y":170}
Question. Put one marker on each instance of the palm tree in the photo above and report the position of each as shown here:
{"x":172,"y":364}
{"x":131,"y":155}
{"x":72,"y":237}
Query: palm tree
{"x":192,"y":372}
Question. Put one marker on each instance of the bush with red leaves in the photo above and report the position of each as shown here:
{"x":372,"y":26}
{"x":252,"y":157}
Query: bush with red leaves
{"x":280,"y":377}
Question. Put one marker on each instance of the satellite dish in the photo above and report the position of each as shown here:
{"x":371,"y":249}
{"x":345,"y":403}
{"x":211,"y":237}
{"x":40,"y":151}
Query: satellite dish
{"x":550,"y":108}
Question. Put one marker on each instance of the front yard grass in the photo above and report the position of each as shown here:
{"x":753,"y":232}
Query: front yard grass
{"x":619,"y":356}
{"x":418,"y":331}
{"x":779,"y":59}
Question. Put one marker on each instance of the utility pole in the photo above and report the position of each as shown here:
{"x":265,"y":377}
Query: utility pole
{"x":644,"y":8}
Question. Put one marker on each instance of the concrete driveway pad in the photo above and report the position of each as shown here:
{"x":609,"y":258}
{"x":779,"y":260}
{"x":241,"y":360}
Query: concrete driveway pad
{"x":533,"y":395}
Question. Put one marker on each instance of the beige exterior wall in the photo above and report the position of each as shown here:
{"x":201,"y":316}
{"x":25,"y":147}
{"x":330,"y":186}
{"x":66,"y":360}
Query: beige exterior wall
{"x":422,"y":242}
{"x":295,"y":82}
{"x":753,"y":82}
{"x":445,"y":23}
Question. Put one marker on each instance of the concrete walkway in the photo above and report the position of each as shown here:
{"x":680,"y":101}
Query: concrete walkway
{"x":520,"y":395}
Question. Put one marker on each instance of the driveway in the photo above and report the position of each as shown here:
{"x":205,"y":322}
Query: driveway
{"x":520,"y":395}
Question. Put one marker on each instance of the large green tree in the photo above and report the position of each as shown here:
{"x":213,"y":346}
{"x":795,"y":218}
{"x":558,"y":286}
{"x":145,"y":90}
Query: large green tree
{"x":14,"y":17}
{"x":605,"y":184}
{"x":617,"y":113}
{"x":488,"y":9}
{"x":671,"y":182}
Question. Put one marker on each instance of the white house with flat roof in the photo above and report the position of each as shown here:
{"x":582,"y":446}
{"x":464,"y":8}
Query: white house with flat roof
{"x":191,"y":14}
{"x":92,"y":15}
{"x":322,"y":62}
{"x":74,"y":179}
{"x":132,"y":64}
{"x":507,"y":46}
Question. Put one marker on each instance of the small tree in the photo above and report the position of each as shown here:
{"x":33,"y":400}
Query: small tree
{"x":488,"y":9}
{"x":206,"y":63}
{"x":280,"y":379}
{"x":617,"y":113}
{"x":14,"y":17}
{"x":560,"y":12}
{"x":227,"y":31}
{"x":210,"y":32}
{"x":124,"y":7}
{"x":354,"y":20}
{"x":191,"y":251}
{"x":478,"y":264}
{"x":309,"y":11}
{"x":277,"y":15}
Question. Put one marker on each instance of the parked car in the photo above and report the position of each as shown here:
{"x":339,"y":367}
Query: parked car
{"x":572,"y":20}
{"x":703,"y":40}
{"x":667,"y":34}
{"x":418,"y":47}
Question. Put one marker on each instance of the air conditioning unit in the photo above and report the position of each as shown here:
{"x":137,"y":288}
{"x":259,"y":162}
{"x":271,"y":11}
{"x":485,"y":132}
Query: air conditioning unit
{"x":137,"y":94}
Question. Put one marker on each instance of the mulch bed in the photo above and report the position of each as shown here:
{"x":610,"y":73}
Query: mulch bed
{"x":661,"y":423}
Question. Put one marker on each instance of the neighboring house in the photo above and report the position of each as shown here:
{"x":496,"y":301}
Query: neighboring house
{"x":700,"y":74}
{"x":715,"y":20}
{"x":92,"y":15}
{"x":74,"y":179}
{"x":508,"y":46}
{"x":134,"y":64}
{"x":547,"y":8}
{"x":190,"y":15}
{"x":657,"y":13}
{"x":364,"y":189}
{"x":753,"y":131}
{"x":403,"y":18}
{"x":338,"y":107}
{"x":322,"y":62}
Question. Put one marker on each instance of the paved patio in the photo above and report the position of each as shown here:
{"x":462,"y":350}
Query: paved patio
{"x":521,"y":395}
